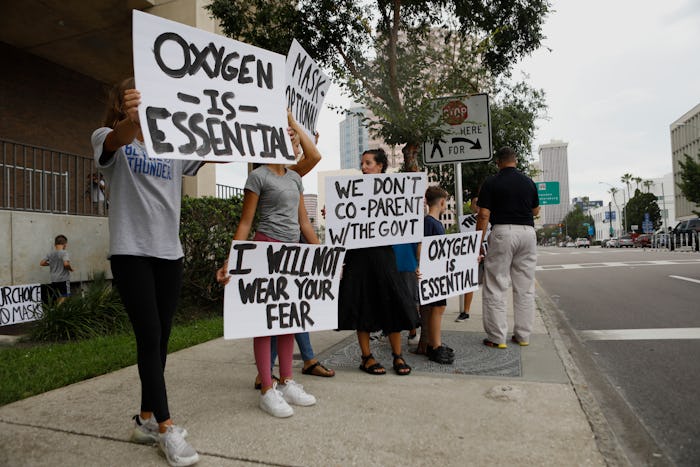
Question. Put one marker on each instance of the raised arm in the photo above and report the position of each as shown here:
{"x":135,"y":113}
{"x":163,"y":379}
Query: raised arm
{"x":311,"y":154}
{"x":128,"y":128}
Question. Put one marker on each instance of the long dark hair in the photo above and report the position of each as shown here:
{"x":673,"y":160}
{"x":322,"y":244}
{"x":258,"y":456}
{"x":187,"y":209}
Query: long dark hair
{"x":115,"y":101}
{"x":379,"y":157}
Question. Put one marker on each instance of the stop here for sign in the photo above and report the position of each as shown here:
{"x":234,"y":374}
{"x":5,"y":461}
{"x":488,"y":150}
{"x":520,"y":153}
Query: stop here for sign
{"x":466,"y":127}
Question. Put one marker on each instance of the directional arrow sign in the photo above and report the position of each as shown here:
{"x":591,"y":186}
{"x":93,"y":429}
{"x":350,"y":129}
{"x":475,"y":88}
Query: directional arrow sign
{"x":466,"y":122}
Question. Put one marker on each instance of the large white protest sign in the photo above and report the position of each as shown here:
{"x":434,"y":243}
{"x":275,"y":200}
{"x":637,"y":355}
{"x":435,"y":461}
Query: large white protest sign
{"x":467,"y":223}
{"x":20,"y":304}
{"x":373,"y":210}
{"x":449,"y":266}
{"x":208,"y":97}
{"x":281,"y":288}
{"x":307,"y":86}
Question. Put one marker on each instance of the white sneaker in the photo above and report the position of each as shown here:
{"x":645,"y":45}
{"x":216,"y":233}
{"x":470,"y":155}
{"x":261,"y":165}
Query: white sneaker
{"x":294,"y":393}
{"x":146,"y":431}
{"x":273,"y":403}
{"x":178,"y":452}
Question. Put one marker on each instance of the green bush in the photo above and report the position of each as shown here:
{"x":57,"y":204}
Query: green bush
{"x":207,"y":226}
{"x":97,"y":311}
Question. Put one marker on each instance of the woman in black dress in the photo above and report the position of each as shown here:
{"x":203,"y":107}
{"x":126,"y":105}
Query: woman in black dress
{"x":373,"y":296}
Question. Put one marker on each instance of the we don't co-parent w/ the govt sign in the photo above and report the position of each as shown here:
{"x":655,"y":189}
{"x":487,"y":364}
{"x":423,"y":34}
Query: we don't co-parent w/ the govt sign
{"x":208,"y":97}
{"x":449,"y":266}
{"x":373,"y":210}
{"x":281,"y":288}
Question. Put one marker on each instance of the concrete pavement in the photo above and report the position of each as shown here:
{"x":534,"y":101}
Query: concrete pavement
{"x":432,"y":417}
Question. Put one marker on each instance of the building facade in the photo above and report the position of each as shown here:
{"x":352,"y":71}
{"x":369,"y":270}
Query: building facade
{"x":354,"y":138}
{"x":685,"y":140}
{"x":554,"y":167}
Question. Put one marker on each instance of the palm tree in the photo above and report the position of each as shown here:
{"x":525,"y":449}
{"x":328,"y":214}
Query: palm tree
{"x":637,"y":181}
{"x":648,"y":184}
{"x":627,"y":180}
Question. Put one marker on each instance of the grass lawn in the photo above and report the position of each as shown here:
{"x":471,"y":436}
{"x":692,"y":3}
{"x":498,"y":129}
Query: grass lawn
{"x":29,"y":370}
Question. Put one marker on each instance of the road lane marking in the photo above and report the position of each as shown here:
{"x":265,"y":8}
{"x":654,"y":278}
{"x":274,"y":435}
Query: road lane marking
{"x":615,"y":264}
{"x":640,"y":334}
{"x":686,"y":279}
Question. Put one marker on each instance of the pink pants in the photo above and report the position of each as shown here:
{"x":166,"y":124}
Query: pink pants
{"x":263,"y":350}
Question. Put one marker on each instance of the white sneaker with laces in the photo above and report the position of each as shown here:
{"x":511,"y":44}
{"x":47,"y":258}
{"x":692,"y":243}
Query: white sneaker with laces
{"x":146,"y":431}
{"x":273,"y":403}
{"x":294,"y":393}
{"x":178,"y":452}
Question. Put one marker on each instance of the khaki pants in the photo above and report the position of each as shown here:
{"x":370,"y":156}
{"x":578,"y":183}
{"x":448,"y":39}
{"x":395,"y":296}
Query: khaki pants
{"x":511,"y":259}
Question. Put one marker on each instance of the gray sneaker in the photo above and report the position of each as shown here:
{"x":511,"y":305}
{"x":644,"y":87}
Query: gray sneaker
{"x":146,"y":431}
{"x":178,"y":452}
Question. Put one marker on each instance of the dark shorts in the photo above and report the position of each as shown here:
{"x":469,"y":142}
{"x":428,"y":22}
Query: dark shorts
{"x":442,"y":302}
{"x":60,"y":289}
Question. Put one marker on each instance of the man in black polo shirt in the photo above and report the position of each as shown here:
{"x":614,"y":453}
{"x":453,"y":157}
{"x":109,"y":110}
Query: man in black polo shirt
{"x":509,"y":201}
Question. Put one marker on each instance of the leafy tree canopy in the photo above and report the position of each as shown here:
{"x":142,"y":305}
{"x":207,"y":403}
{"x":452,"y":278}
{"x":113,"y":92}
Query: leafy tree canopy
{"x":690,"y":180}
{"x":575,"y":223}
{"x":395,"y":56}
{"x":636,"y":208}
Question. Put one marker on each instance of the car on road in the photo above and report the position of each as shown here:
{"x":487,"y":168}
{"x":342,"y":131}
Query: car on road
{"x":570,"y":245}
{"x":686,"y":233}
{"x":626,"y":242}
{"x":642,"y":241}
{"x":613,"y":243}
{"x":583,"y":243}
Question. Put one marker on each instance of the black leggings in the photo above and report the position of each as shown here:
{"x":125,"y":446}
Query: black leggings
{"x":150,"y":288}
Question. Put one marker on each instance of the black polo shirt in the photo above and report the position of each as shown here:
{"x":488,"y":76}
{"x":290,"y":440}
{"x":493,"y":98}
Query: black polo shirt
{"x":510,"y":196}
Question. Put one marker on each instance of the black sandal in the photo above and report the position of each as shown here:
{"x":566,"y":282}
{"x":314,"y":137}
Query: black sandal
{"x":311,"y":370}
{"x":376,"y":369}
{"x":400,"y":368}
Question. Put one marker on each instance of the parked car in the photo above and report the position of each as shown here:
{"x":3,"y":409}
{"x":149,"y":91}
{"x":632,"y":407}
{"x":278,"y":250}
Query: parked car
{"x":583,"y":243}
{"x":686,"y":233}
{"x":613,"y":243}
{"x":642,"y":241}
{"x":570,"y":245}
{"x":626,"y":242}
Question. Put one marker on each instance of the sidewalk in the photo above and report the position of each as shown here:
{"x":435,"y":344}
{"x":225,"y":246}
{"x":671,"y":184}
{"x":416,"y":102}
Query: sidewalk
{"x":435,"y":416}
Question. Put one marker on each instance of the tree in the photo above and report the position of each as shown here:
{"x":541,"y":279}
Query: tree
{"x":395,"y":57}
{"x":648,"y":184}
{"x":637,"y":181}
{"x":577,"y":223}
{"x":690,"y":180}
{"x":627,"y":180}
{"x":639,"y":205}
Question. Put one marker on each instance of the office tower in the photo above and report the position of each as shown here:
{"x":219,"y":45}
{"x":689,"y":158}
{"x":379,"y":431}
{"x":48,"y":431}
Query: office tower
{"x":685,"y":139}
{"x":354,"y":138}
{"x":554,"y":167}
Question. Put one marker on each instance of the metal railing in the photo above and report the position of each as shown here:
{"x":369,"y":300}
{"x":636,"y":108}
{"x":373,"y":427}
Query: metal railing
{"x":39,"y":179}
{"x":226,"y":192}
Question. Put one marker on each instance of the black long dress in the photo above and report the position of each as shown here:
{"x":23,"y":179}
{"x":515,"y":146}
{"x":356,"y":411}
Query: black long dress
{"x":373,"y":296}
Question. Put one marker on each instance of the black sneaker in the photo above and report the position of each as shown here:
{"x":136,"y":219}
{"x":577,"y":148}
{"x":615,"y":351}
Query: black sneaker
{"x":441,"y":355}
{"x":462,"y":317}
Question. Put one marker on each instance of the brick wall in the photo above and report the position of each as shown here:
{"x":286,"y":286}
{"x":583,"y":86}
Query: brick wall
{"x":44,"y":104}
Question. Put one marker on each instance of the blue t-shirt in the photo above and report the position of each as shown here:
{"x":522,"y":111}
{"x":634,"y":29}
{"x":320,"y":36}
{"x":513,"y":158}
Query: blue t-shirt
{"x":406,"y":260}
{"x":432,"y":226}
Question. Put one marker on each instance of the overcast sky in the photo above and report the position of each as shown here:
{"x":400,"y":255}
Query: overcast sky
{"x":615,"y":73}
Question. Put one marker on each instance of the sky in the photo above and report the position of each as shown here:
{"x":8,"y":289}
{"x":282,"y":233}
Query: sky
{"x":616,"y":74}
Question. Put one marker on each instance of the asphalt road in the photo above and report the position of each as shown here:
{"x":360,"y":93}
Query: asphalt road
{"x":635,"y":316}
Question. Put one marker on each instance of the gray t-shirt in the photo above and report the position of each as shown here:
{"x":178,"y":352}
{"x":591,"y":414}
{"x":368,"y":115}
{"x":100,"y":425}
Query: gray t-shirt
{"x":55,"y":258}
{"x":145,"y":198}
{"x":278,"y":204}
